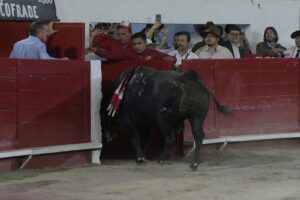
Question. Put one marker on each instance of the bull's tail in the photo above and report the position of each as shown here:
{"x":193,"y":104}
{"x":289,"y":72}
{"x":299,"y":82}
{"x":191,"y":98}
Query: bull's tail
{"x":221,"y":108}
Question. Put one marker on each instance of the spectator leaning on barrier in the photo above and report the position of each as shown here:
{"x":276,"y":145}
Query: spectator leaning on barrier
{"x":110,"y":48}
{"x":99,"y":30}
{"x":212,"y":50}
{"x":270,"y":46}
{"x":34,"y":46}
{"x":183,"y":52}
{"x":142,"y":52}
{"x":233,"y":43}
{"x":294,"y":51}
{"x":139,"y":51}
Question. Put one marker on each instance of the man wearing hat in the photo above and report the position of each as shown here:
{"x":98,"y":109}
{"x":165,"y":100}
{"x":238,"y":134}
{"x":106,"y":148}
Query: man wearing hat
{"x":294,"y":51}
{"x":200,"y":29}
{"x":212,"y":50}
{"x":110,"y":48}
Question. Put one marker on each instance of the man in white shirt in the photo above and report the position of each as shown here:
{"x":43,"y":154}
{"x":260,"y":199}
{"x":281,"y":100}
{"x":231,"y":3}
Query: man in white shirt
{"x":182,"y":52}
{"x":212,"y":50}
{"x":233,"y":44}
{"x":294,"y":51}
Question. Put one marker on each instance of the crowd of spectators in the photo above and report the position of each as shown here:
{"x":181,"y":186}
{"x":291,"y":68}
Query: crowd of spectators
{"x":150,"y":43}
{"x":115,"y":42}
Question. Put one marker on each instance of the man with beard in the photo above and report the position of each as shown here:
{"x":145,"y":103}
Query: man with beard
{"x":270,"y":46}
{"x":212,"y":50}
{"x":182,"y":52}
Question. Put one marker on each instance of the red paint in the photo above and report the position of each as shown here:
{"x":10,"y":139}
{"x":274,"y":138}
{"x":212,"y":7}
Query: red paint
{"x":263,"y":95}
{"x":45,"y":103}
{"x":8,"y":104}
{"x":68,"y":41}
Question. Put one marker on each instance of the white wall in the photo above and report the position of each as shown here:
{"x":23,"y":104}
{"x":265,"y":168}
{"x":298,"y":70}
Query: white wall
{"x":282,"y":14}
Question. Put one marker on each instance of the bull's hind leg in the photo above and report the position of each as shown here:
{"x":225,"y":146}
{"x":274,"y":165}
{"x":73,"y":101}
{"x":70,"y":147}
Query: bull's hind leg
{"x":135,"y":140}
{"x":198,"y":133}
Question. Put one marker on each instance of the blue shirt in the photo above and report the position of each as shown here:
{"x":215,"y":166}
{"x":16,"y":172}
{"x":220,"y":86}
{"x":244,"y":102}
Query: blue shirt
{"x":30,"y":48}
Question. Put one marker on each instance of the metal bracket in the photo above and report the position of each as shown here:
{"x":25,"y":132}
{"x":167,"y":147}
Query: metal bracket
{"x":25,"y":162}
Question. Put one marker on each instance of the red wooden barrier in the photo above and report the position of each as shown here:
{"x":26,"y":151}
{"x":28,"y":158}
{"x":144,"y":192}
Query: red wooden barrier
{"x":68,"y":41}
{"x":263,"y":95}
{"x":54,"y":98}
{"x":8,"y":103}
{"x":44,"y":103}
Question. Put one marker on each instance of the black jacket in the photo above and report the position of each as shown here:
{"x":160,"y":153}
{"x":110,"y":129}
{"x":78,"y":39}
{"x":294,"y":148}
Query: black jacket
{"x":228,"y":45}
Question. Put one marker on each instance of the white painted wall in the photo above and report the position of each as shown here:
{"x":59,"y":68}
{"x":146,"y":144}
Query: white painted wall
{"x":282,"y":14}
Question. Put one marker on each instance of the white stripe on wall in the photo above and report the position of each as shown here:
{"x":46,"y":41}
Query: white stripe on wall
{"x":96,"y":96}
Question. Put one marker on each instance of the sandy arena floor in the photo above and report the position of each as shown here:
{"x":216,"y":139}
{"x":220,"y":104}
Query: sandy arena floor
{"x":227,"y":175}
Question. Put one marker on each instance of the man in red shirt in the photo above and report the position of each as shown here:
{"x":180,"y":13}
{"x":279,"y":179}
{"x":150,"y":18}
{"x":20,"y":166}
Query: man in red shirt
{"x":139,"y":51}
{"x":110,"y":48}
{"x":142,"y":52}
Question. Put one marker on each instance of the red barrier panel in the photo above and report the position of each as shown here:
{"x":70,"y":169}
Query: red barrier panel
{"x":11,"y":32}
{"x":44,"y":103}
{"x":263,"y":95}
{"x":54,"y":98}
{"x":68,"y":41}
{"x":8,"y":104}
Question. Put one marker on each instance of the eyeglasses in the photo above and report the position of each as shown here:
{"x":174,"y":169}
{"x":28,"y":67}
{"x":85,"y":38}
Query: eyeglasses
{"x":235,"y":34}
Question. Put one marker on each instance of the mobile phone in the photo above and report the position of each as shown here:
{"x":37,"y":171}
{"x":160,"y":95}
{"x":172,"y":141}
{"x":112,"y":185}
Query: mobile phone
{"x":158,"y":18}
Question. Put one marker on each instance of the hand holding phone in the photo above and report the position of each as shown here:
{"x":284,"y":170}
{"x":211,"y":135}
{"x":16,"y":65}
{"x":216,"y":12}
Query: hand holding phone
{"x":158,"y":18}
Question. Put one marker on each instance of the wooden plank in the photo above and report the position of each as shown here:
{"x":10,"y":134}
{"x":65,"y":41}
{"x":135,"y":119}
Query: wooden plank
{"x":68,"y":41}
{"x":44,"y":82}
{"x":52,"y":98}
{"x":56,"y":67}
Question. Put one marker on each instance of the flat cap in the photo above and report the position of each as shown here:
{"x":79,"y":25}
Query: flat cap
{"x":295,"y":34}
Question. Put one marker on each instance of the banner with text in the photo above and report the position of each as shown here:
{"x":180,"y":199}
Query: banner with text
{"x":27,"y":10}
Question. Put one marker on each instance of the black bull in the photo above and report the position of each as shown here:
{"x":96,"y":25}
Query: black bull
{"x":164,"y":99}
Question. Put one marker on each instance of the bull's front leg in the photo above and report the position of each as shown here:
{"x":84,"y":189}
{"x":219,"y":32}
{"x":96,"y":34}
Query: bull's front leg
{"x":136,"y":142}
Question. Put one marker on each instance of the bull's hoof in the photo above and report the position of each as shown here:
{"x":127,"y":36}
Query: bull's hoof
{"x":161,"y":162}
{"x":194,"y":166}
{"x":141,"y":161}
